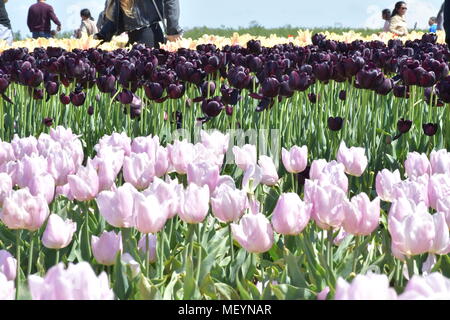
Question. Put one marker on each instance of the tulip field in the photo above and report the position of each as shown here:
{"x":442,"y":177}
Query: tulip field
{"x":270,"y":169}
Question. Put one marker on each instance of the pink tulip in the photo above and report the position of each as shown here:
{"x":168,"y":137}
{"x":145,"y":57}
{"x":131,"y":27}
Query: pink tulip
{"x":228,"y":203}
{"x":24,"y":147}
{"x":162,"y":161}
{"x":415,"y":189}
{"x":431,"y":287}
{"x":245,"y":156}
{"x":443,"y":205}
{"x":29,"y":167}
{"x":8,"y":265}
{"x":108,"y":164}
{"x":269,"y":171}
{"x":441,"y":241}
{"x":385,"y":182}
{"x":226,"y":180}
{"x":63,"y":135}
{"x":328,"y":204}
{"x":417,"y":165}
{"x":167,"y":195}
{"x":413,"y":233}
{"x":291,"y":215}
{"x":361,"y":216}
{"x":117,"y":206}
{"x":135,"y":267}
{"x":21,"y":210}
{"x":77,"y":282}
{"x":440,"y":161}
{"x":252,"y":178}
{"x":296,"y":159}
{"x":181,"y":153}
{"x":438,"y":188}
{"x":203,"y":173}
{"x":194,"y":203}
{"x":254,"y":233}
{"x":354,"y":159}
{"x":142,"y":245}
{"x":150,"y":216}
{"x":340,"y":237}
{"x":6,"y":152}
{"x":322,"y":295}
{"x":64,"y":191}
{"x":331,"y":172}
{"x":84,"y":185}
{"x":203,"y":154}
{"x":365,"y":287}
{"x":46,"y":145}
{"x":138,"y":170}
{"x":7,"y":291}
{"x":148,"y":145}
{"x":215,"y":140}
{"x":58,"y":233}
{"x":5,"y":186}
{"x":117,"y":141}
{"x":106,"y":248}
{"x":44,"y":185}
{"x":60,"y":164}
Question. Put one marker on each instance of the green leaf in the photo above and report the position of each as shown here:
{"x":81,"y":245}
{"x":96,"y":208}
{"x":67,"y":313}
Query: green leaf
{"x":147,"y":291}
{"x":225,"y":292}
{"x":189,"y":280}
{"x":120,"y":278}
{"x":207,"y":287}
{"x":288,"y":292}
{"x":243,"y":293}
{"x":168,"y":292}
{"x":297,"y":278}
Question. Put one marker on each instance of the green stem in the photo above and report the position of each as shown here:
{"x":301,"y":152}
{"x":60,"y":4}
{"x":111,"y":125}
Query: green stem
{"x":57,"y":257}
{"x":18,"y":234}
{"x":199,"y":261}
{"x":355,"y":258}
{"x":330,"y":249}
{"x":147,"y":256}
{"x":30,"y":255}
{"x":230,"y":235}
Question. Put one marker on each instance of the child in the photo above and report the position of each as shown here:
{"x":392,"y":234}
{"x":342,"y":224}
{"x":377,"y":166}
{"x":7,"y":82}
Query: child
{"x":88,"y":25}
{"x":433,"y":24}
{"x":386,"y":16}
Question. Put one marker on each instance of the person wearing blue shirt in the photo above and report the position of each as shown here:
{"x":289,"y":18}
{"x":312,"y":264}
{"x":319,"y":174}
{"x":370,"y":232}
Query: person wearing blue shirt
{"x":433,"y":24}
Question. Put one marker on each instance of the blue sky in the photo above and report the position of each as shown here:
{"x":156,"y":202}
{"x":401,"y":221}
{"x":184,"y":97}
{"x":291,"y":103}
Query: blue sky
{"x":233,"y":13}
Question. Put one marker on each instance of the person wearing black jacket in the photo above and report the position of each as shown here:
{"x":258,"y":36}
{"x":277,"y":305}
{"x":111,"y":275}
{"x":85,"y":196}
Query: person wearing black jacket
{"x":447,"y":21}
{"x":140,"y":19}
{"x":5,"y":24}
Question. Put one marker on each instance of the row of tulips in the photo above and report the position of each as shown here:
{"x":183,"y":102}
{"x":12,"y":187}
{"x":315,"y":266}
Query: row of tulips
{"x":150,"y":206}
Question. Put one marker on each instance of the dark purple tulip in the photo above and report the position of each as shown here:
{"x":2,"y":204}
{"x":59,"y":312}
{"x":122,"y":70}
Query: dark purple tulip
{"x":125,"y":97}
{"x":285,"y":90}
{"x":270,"y":87}
{"x":254,"y":46}
{"x":77,"y":98}
{"x":52,"y":87}
{"x":90,"y":110}
{"x":153,"y":90}
{"x":48,"y":122}
{"x":299,"y":81}
{"x":4,"y":83}
{"x":175,"y":91}
{"x":403,"y":125}
{"x":443,"y":89}
{"x":322,"y":71}
{"x":238,"y":78}
{"x":106,"y":83}
{"x":255,"y":64}
{"x":208,"y":88}
{"x":317,"y":39}
{"x":335,"y":124}
{"x":370,"y":78}
{"x":343,"y":95}
{"x":230,"y":96}
{"x":385,"y":87}
{"x":229,"y":110}
{"x":38,"y":94}
{"x":212,"y":107}
{"x":409,"y":76}
{"x":430,"y":129}
{"x":401,"y":91}
{"x":427,"y":79}
{"x":312,"y":97}
{"x":64,"y":99}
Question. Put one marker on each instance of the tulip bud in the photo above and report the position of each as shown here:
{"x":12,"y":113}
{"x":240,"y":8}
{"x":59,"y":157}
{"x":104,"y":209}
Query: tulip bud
{"x":181,"y":153}
{"x":440,"y":161}
{"x":430,"y":129}
{"x":194,"y":203}
{"x":296,"y":159}
{"x":268,"y":170}
{"x":404,"y":125}
{"x":139,"y":170}
{"x":335,"y":124}
{"x":417,"y":165}
{"x":106,"y":248}
{"x":353,"y":159}
{"x":245,"y":156}
{"x":58,"y":233}
{"x":228,"y":203}
{"x":385,"y":182}
{"x":150,"y":216}
{"x":361,"y":216}
{"x":117,"y":206}
{"x":84,"y":185}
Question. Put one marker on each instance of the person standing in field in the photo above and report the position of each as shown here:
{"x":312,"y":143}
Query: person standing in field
{"x":140,"y":19}
{"x":433,"y":25}
{"x":398,"y":21}
{"x":386,"y":16}
{"x":88,"y":26}
{"x":440,"y":18}
{"x":5,"y":24}
{"x":39,"y":20}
